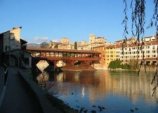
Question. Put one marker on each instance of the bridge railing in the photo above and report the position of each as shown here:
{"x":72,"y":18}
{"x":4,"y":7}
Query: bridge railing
{"x":72,"y":58}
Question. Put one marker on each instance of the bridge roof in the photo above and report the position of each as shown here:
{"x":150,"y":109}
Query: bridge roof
{"x":62,"y":50}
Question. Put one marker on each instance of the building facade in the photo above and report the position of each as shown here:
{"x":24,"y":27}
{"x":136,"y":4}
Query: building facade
{"x":83,"y":45}
{"x":10,"y":40}
{"x":95,"y":41}
{"x":12,"y":49}
{"x":144,"y":52}
{"x":102,"y":62}
{"x":110,"y":54}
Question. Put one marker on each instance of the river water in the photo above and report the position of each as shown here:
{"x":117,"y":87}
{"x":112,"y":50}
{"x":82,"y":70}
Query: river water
{"x":106,"y":91}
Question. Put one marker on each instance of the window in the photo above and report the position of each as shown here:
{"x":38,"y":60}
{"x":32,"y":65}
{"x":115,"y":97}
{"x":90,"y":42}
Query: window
{"x":153,"y":47}
{"x":148,"y":47}
{"x":133,"y":47}
{"x":154,"y":55}
{"x":153,"y":51}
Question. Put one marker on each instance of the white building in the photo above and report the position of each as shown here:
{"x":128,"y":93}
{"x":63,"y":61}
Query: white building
{"x":147,"y":51}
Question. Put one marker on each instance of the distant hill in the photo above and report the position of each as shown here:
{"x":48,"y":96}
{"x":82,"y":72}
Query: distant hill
{"x":34,"y":45}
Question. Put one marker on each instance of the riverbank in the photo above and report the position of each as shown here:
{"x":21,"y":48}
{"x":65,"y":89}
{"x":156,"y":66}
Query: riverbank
{"x":61,"y":105}
{"x":147,"y":68}
{"x":44,"y":97}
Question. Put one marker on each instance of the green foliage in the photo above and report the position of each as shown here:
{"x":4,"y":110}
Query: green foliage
{"x":118,"y":64}
{"x":115,"y":64}
{"x":44,"y":45}
{"x":125,"y":66}
{"x":75,"y":45}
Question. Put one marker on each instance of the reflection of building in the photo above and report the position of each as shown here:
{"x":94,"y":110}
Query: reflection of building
{"x":126,"y":85}
{"x":101,"y":83}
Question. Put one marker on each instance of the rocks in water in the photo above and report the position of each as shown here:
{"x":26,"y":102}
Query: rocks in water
{"x":85,"y":111}
{"x":82,"y":108}
{"x":93,"y":111}
{"x":132,"y":110}
{"x":100,"y":108}
{"x":136,"y":108}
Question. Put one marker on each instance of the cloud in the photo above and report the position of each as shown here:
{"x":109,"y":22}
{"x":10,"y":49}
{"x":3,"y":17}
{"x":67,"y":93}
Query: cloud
{"x":55,"y":40}
{"x":40,"y":39}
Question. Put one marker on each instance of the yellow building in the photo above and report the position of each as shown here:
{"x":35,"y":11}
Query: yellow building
{"x":111,"y":53}
{"x":65,"y":44}
{"x":83,"y":45}
{"x":65,"y":41}
{"x":95,"y":41}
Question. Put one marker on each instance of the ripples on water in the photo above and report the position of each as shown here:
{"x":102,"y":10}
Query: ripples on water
{"x":106,"y":92}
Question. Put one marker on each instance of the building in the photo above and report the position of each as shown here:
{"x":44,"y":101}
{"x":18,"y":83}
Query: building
{"x":111,"y":53}
{"x":10,"y":40}
{"x":65,"y":44}
{"x":96,"y":41}
{"x":65,"y":41}
{"x":144,"y":52}
{"x":12,"y":49}
{"x":102,"y":62}
{"x":83,"y":45}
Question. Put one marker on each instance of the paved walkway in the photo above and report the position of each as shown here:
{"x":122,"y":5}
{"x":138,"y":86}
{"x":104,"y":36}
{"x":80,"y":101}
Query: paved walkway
{"x":19,"y":98}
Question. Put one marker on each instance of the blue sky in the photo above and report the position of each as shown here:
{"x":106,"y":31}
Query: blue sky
{"x":75,"y":19}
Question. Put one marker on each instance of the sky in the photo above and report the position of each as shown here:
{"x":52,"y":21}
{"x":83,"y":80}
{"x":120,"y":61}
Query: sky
{"x":45,"y":20}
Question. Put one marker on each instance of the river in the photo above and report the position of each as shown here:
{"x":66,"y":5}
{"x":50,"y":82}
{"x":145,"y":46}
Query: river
{"x":106,"y":91}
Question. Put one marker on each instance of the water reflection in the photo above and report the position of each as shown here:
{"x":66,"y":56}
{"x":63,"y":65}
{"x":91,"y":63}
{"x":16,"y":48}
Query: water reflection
{"x":105,"y":88}
{"x":42,"y":78}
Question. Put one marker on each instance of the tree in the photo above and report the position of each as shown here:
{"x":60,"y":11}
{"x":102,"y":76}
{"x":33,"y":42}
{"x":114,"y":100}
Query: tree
{"x":138,"y":26}
{"x":118,"y":64}
{"x":115,"y":64}
{"x":44,"y":45}
{"x":138,"y":8}
{"x":75,"y":45}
